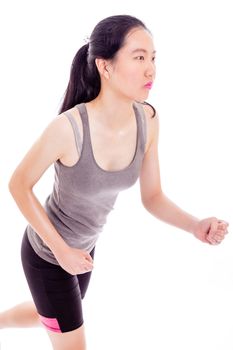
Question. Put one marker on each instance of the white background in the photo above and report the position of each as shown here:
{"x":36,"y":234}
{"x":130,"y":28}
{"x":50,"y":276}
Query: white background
{"x":153,"y":286}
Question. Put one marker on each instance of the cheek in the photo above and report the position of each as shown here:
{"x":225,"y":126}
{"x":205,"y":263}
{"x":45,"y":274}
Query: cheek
{"x":133,"y":72}
{"x":130,"y":78}
{"x":127,"y":77}
{"x":128,"y":71}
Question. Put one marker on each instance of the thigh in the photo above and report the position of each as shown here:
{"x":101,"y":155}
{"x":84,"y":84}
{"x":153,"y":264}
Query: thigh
{"x":55,"y":292}
{"x":84,"y":278}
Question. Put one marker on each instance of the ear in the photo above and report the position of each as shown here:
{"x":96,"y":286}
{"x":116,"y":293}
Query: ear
{"x":102,"y":66}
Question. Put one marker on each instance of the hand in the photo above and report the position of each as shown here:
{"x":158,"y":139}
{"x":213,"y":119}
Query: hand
{"x":211,"y":230}
{"x":74,"y":261}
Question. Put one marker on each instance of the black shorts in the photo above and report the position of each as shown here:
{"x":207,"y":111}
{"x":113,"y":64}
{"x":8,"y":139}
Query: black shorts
{"x":56,"y":293}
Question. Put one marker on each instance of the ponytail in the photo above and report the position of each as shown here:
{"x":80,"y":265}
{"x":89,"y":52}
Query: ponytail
{"x":84,"y":82}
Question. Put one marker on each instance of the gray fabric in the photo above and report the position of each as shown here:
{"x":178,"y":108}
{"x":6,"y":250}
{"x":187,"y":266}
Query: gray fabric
{"x":77,"y":136}
{"x":84,"y":194}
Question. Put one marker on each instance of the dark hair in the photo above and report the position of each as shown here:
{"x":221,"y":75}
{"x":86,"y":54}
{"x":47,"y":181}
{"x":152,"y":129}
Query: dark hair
{"x":106,"y":39}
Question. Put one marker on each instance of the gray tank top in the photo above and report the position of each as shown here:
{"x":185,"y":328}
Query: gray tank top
{"x":84,"y":193}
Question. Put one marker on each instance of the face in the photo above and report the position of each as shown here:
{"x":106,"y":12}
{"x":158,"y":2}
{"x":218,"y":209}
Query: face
{"x":132,"y":72}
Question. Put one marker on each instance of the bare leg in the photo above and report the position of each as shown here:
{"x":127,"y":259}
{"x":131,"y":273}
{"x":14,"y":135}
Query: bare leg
{"x":21,"y":315}
{"x":73,"y":340}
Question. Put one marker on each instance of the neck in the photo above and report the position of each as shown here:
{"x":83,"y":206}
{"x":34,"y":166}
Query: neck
{"x":111,"y":109}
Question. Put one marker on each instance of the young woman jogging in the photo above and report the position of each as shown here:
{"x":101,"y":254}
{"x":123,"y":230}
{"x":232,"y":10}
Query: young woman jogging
{"x":104,"y":138}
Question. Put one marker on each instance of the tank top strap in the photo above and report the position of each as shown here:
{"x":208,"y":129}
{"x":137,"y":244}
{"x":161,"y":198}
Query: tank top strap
{"x":86,"y":133}
{"x":76,"y":131}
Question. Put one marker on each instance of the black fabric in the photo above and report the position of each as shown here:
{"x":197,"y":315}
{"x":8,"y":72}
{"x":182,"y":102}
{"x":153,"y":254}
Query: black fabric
{"x":55,"y":292}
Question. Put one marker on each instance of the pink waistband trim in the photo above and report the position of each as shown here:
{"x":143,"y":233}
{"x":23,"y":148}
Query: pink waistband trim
{"x":50,"y":323}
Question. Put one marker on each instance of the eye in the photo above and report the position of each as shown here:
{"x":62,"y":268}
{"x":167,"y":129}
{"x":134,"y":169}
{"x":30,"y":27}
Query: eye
{"x":153,"y":58}
{"x":140,"y":58}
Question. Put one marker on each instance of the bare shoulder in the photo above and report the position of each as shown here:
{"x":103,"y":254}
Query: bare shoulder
{"x":152,"y":124}
{"x":56,"y":133}
{"x":62,"y":128}
{"x":55,"y":141}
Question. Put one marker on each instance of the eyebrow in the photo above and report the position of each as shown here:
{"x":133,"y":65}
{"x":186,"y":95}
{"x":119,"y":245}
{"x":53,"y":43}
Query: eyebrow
{"x":142,"y":50}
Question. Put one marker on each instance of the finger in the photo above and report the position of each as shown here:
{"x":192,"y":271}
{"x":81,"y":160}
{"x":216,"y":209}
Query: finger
{"x":215,"y":242}
{"x":218,"y":238}
{"x":215,"y":229}
{"x":88,"y":257}
{"x":220,"y":232}
{"x":222,"y":226}
{"x":89,"y":265}
{"x":213,"y":226}
{"x":215,"y":239}
{"x":224,"y":222}
{"x":87,"y":268}
{"x":210,"y":240}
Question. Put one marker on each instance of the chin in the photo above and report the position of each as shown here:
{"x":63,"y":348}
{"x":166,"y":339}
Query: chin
{"x":141,"y":98}
{"x":144,"y":96}
{"x":138,"y":97}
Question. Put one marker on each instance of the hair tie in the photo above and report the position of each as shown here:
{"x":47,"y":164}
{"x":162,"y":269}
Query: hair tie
{"x":86,"y":40}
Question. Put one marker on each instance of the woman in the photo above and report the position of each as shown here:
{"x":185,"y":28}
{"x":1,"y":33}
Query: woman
{"x":103,"y":139}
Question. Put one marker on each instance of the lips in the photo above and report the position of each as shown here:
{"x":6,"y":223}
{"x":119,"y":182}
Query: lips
{"x":149,"y":85}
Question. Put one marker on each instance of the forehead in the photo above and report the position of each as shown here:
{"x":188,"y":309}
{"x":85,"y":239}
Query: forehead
{"x":138,"y":38}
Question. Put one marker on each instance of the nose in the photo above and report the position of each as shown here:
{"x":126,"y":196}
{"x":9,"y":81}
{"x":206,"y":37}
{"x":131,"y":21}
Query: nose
{"x":150,"y":70}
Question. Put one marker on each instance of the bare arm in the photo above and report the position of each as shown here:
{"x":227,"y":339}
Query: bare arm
{"x":164,"y":209}
{"x":49,"y":147}
{"x":153,"y":198}
{"x":209,"y":230}
{"x":53,"y":143}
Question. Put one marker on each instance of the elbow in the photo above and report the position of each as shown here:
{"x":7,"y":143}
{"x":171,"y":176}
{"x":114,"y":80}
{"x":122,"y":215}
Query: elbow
{"x":13,"y":183}
{"x":13,"y":186}
{"x":16,"y":185}
{"x":148,"y":202}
